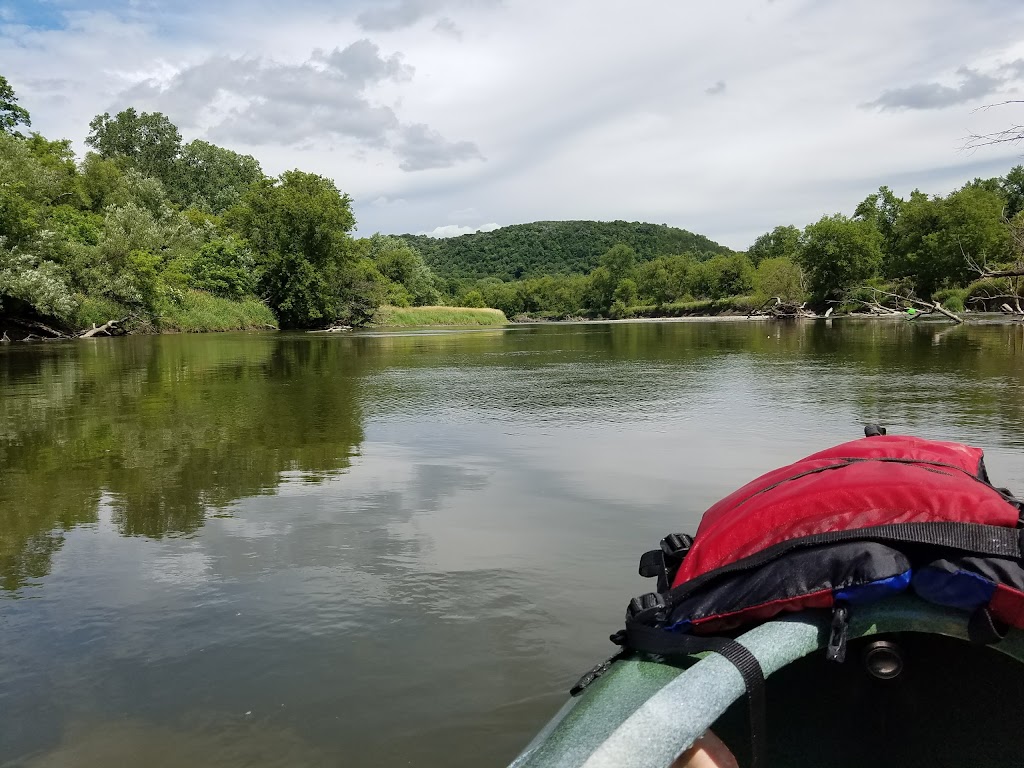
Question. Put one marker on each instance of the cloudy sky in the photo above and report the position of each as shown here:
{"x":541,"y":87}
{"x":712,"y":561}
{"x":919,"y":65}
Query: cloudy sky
{"x":451,"y":115}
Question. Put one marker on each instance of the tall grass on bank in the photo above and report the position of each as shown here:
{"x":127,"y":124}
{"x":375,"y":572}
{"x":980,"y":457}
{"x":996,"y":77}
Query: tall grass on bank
{"x":734,"y":305}
{"x":198,"y":312}
{"x":410,"y":316}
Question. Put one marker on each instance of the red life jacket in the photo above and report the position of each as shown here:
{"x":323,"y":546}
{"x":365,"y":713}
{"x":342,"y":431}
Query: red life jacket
{"x":850,"y":524}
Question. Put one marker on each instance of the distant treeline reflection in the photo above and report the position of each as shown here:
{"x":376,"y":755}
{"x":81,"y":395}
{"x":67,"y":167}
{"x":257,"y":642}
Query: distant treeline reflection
{"x":165,"y":433}
{"x":168,"y":430}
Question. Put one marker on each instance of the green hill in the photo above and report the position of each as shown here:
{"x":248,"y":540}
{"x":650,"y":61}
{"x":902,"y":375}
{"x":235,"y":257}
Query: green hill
{"x":551,"y":247}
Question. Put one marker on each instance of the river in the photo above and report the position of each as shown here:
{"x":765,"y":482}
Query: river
{"x":398,"y":548}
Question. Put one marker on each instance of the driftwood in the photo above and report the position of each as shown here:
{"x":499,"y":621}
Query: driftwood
{"x":931,"y":306}
{"x":876,"y":307}
{"x":35,"y":330}
{"x":333,"y":329}
{"x":1016,"y":312}
{"x":776,"y":307}
{"x":39,"y":330}
{"x":109,"y":328}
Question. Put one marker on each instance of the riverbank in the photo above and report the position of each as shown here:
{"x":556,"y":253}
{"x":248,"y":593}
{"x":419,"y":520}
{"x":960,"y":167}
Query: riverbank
{"x":199,"y":312}
{"x":406,"y":317}
{"x":188,"y":312}
{"x":734,"y":306}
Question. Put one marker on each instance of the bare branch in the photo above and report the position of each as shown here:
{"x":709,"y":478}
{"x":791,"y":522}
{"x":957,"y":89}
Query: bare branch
{"x":109,"y":328}
{"x":781,"y":309}
{"x":932,"y":306}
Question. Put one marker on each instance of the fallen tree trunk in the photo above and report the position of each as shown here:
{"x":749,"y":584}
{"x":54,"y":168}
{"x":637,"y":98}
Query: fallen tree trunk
{"x":929,"y":305}
{"x":109,"y":328}
{"x":781,"y":309}
{"x":332,"y":329}
{"x":40,"y":330}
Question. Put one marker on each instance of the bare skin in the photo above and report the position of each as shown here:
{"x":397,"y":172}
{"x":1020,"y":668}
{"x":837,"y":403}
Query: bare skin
{"x":708,"y":751}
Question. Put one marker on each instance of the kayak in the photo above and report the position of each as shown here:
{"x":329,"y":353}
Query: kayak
{"x":863,"y":606}
{"x":949,"y":703}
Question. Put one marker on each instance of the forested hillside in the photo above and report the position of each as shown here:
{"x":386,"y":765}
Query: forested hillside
{"x":552,"y":248}
{"x":965,"y":250}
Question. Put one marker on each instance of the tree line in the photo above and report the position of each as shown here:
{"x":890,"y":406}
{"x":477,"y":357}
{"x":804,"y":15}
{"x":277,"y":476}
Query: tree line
{"x":930,"y":247}
{"x":144,"y":223}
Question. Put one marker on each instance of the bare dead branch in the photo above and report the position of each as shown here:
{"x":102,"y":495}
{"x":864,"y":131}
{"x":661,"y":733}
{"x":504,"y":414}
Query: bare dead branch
{"x":929,"y":305}
{"x":776,"y":307}
{"x":109,"y":328}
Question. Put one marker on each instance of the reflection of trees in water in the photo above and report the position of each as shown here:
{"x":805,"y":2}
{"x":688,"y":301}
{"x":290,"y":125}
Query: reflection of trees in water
{"x":168,"y":428}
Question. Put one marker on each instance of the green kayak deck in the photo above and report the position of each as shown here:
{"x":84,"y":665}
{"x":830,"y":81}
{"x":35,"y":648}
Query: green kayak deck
{"x":955,"y":704}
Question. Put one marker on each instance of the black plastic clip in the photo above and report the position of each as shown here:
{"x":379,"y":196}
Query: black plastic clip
{"x":652,"y":563}
{"x":646,"y":609}
{"x":839,"y":634}
{"x":676,"y":545}
{"x":665,"y":561}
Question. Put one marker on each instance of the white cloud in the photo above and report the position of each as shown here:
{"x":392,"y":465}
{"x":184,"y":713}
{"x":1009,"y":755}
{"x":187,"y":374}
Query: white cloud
{"x":582,"y":108}
{"x":454,"y":230}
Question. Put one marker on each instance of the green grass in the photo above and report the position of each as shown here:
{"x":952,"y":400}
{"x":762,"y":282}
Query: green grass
{"x":96,"y":310}
{"x":199,"y":312}
{"x":398,"y":317}
{"x":734,"y":305}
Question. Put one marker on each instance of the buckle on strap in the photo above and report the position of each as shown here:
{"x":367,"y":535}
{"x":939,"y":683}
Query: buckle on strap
{"x":839,"y":634}
{"x":652,"y":563}
{"x":646,"y":609}
{"x":665,"y":561}
{"x":676,"y":545}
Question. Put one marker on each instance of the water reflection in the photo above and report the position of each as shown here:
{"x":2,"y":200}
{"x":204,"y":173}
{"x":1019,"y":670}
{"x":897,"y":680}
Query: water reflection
{"x":170,"y":429}
{"x":397,"y":548}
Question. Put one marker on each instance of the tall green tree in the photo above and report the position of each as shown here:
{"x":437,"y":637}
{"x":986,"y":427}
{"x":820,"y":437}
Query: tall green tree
{"x":297,"y":226}
{"x":882,"y":208}
{"x":12,"y":114}
{"x":780,"y":277}
{"x":1013,"y":189}
{"x":654,"y":280}
{"x":147,"y":141}
{"x":781,"y":242}
{"x":212,"y":178}
{"x":620,"y":261}
{"x":403,"y":265}
{"x":933,"y":235}
{"x":837,"y":252}
{"x":98,"y":180}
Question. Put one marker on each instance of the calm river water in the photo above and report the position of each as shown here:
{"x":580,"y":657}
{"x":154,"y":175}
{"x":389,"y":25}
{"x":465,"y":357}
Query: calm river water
{"x":398,"y":548}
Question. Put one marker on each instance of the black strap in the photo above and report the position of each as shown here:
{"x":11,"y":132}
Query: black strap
{"x":975,"y":538}
{"x":661,"y":642}
{"x":985,"y":629}
{"x":665,"y":561}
